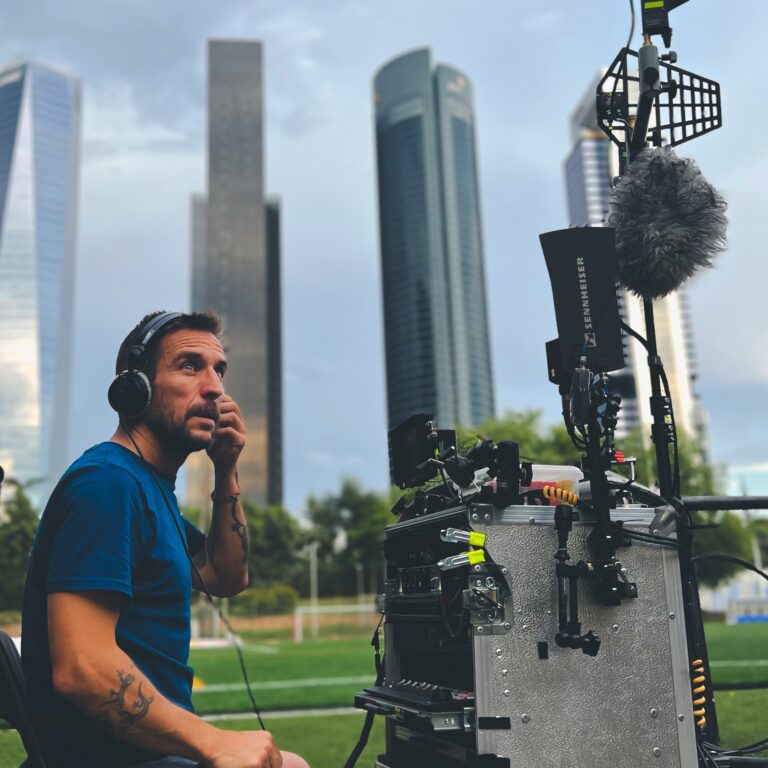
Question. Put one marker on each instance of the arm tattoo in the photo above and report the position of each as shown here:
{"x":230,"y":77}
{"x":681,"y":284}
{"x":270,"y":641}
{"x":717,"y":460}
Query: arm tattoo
{"x":127,"y":713}
{"x":241,"y":531}
{"x":200,"y":558}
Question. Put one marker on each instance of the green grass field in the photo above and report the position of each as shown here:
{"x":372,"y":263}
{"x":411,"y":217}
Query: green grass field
{"x":327,"y":673}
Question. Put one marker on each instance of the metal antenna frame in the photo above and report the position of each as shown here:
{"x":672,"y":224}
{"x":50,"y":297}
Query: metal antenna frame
{"x":685,"y":106}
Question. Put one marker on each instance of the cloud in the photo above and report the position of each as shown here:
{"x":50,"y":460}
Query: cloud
{"x":546,"y":21}
{"x":329,"y":459}
{"x":760,"y":467}
{"x":112,"y":126}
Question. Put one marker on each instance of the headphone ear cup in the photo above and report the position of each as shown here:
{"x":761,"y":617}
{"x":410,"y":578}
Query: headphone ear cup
{"x":130,"y":394}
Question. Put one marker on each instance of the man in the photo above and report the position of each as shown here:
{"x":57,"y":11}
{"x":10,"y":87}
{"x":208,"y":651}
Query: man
{"x":105,"y":636}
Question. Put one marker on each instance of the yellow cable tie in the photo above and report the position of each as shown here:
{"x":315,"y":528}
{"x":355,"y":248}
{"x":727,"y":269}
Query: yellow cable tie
{"x":477,"y":539}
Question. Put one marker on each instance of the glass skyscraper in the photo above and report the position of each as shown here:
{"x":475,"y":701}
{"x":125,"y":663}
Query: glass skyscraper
{"x":435,"y":315}
{"x":39,"y":170}
{"x":236,"y":267}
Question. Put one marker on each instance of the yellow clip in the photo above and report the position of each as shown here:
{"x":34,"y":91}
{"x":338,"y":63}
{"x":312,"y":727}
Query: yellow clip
{"x":476,"y":556}
{"x":477,"y":539}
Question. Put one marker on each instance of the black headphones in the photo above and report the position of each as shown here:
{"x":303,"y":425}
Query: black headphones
{"x":131,"y":392}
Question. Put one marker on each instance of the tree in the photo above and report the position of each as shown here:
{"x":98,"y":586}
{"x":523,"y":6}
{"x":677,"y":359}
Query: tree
{"x":538,"y":444}
{"x":276,"y":541}
{"x":17,"y":534}
{"x":726,"y":532}
{"x":349,"y":527}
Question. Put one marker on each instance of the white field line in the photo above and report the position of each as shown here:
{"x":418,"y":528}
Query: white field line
{"x":286,"y":713}
{"x":247,"y":647}
{"x":318,"y":682}
{"x":312,"y":682}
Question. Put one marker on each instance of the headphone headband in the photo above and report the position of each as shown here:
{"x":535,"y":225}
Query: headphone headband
{"x":131,"y":391}
{"x":146,"y":332}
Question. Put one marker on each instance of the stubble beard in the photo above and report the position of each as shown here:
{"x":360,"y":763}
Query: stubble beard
{"x":174,"y":433}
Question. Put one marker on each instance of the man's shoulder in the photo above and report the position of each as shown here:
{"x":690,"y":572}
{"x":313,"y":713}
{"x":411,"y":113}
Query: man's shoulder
{"x":105,"y":464}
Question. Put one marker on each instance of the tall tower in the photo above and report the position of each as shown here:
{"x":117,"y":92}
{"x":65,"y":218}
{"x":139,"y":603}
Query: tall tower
{"x":242,"y":260}
{"x":39,"y":171}
{"x":435,"y":314}
{"x":589,"y":170}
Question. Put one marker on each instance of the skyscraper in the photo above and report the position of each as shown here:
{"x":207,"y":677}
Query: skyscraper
{"x":236,"y":263}
{"x":39,"y":170}
{"x":589,"y":169}
{"x":435,"y":314}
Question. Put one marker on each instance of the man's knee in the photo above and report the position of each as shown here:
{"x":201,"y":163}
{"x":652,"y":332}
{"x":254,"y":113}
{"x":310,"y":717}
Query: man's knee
{"x":290,"y":760}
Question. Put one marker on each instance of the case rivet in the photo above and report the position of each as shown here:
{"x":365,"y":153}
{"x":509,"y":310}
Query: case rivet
{"x":525,"y":718}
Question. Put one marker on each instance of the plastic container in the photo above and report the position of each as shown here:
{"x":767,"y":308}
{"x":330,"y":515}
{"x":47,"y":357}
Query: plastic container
{"x":558,"y":475}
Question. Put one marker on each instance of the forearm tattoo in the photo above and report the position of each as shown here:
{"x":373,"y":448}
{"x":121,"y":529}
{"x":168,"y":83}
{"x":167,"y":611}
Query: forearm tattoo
{"x":118,"y":713}
{"x":240,"y":530}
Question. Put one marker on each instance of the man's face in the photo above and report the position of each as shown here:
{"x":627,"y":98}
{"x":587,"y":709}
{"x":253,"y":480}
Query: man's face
{"x":187,"y":390}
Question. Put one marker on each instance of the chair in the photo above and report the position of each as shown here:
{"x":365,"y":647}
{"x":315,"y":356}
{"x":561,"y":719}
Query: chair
{"x":14,"y":706}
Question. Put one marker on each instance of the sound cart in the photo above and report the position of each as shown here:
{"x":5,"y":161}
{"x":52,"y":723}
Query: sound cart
{"x":486,"y":663}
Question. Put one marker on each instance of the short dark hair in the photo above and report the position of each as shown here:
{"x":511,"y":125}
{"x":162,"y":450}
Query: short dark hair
{"x":196,"y":321}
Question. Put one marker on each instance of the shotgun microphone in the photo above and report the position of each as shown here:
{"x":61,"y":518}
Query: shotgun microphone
{"x":669,"y":221}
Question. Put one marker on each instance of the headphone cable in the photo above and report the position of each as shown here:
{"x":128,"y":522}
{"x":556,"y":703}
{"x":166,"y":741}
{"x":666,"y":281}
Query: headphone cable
{"x":235,"y":637}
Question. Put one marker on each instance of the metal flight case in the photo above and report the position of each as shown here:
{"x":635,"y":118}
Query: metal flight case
{"x":474,"y":677}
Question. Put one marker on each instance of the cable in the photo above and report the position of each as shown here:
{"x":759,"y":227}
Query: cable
{"x":675,"y":453}
{"x":441,"y":470}
{"x":663,"y":374}
{"x":730,"y":559}
{"x":369,"y":716}
{"x":223,"y":618}
{"x":632,"y":28}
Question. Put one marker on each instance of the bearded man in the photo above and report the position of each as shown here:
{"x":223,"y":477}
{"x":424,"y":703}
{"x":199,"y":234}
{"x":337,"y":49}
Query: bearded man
{"x":106,"y":620}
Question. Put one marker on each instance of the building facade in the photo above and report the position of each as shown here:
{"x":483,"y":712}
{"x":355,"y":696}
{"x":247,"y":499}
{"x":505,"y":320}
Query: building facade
{"x":433,"y":277}
{"x":236,"y":266}
{"x":589,"y":170}
{"x":39,"y":174}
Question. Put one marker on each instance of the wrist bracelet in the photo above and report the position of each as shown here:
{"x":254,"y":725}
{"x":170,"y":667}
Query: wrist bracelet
{"x":234,"y":497}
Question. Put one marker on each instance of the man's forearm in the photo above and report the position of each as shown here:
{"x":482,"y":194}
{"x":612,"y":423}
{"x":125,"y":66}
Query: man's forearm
{"x":121,"y":699}
{"x":227,"y":541}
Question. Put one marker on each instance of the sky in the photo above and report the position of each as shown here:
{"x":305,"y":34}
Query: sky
{"x":143,"y":69}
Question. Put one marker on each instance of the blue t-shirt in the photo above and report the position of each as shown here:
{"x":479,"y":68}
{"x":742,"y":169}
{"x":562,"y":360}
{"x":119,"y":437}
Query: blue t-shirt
{"x":110,"y":525}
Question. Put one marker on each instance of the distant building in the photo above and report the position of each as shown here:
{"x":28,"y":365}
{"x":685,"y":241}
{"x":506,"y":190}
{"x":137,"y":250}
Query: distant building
{"x":589,"y":170}
{"x":435,"y":311}
{"x":39,"y":172}
{"x":236,"y":267}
